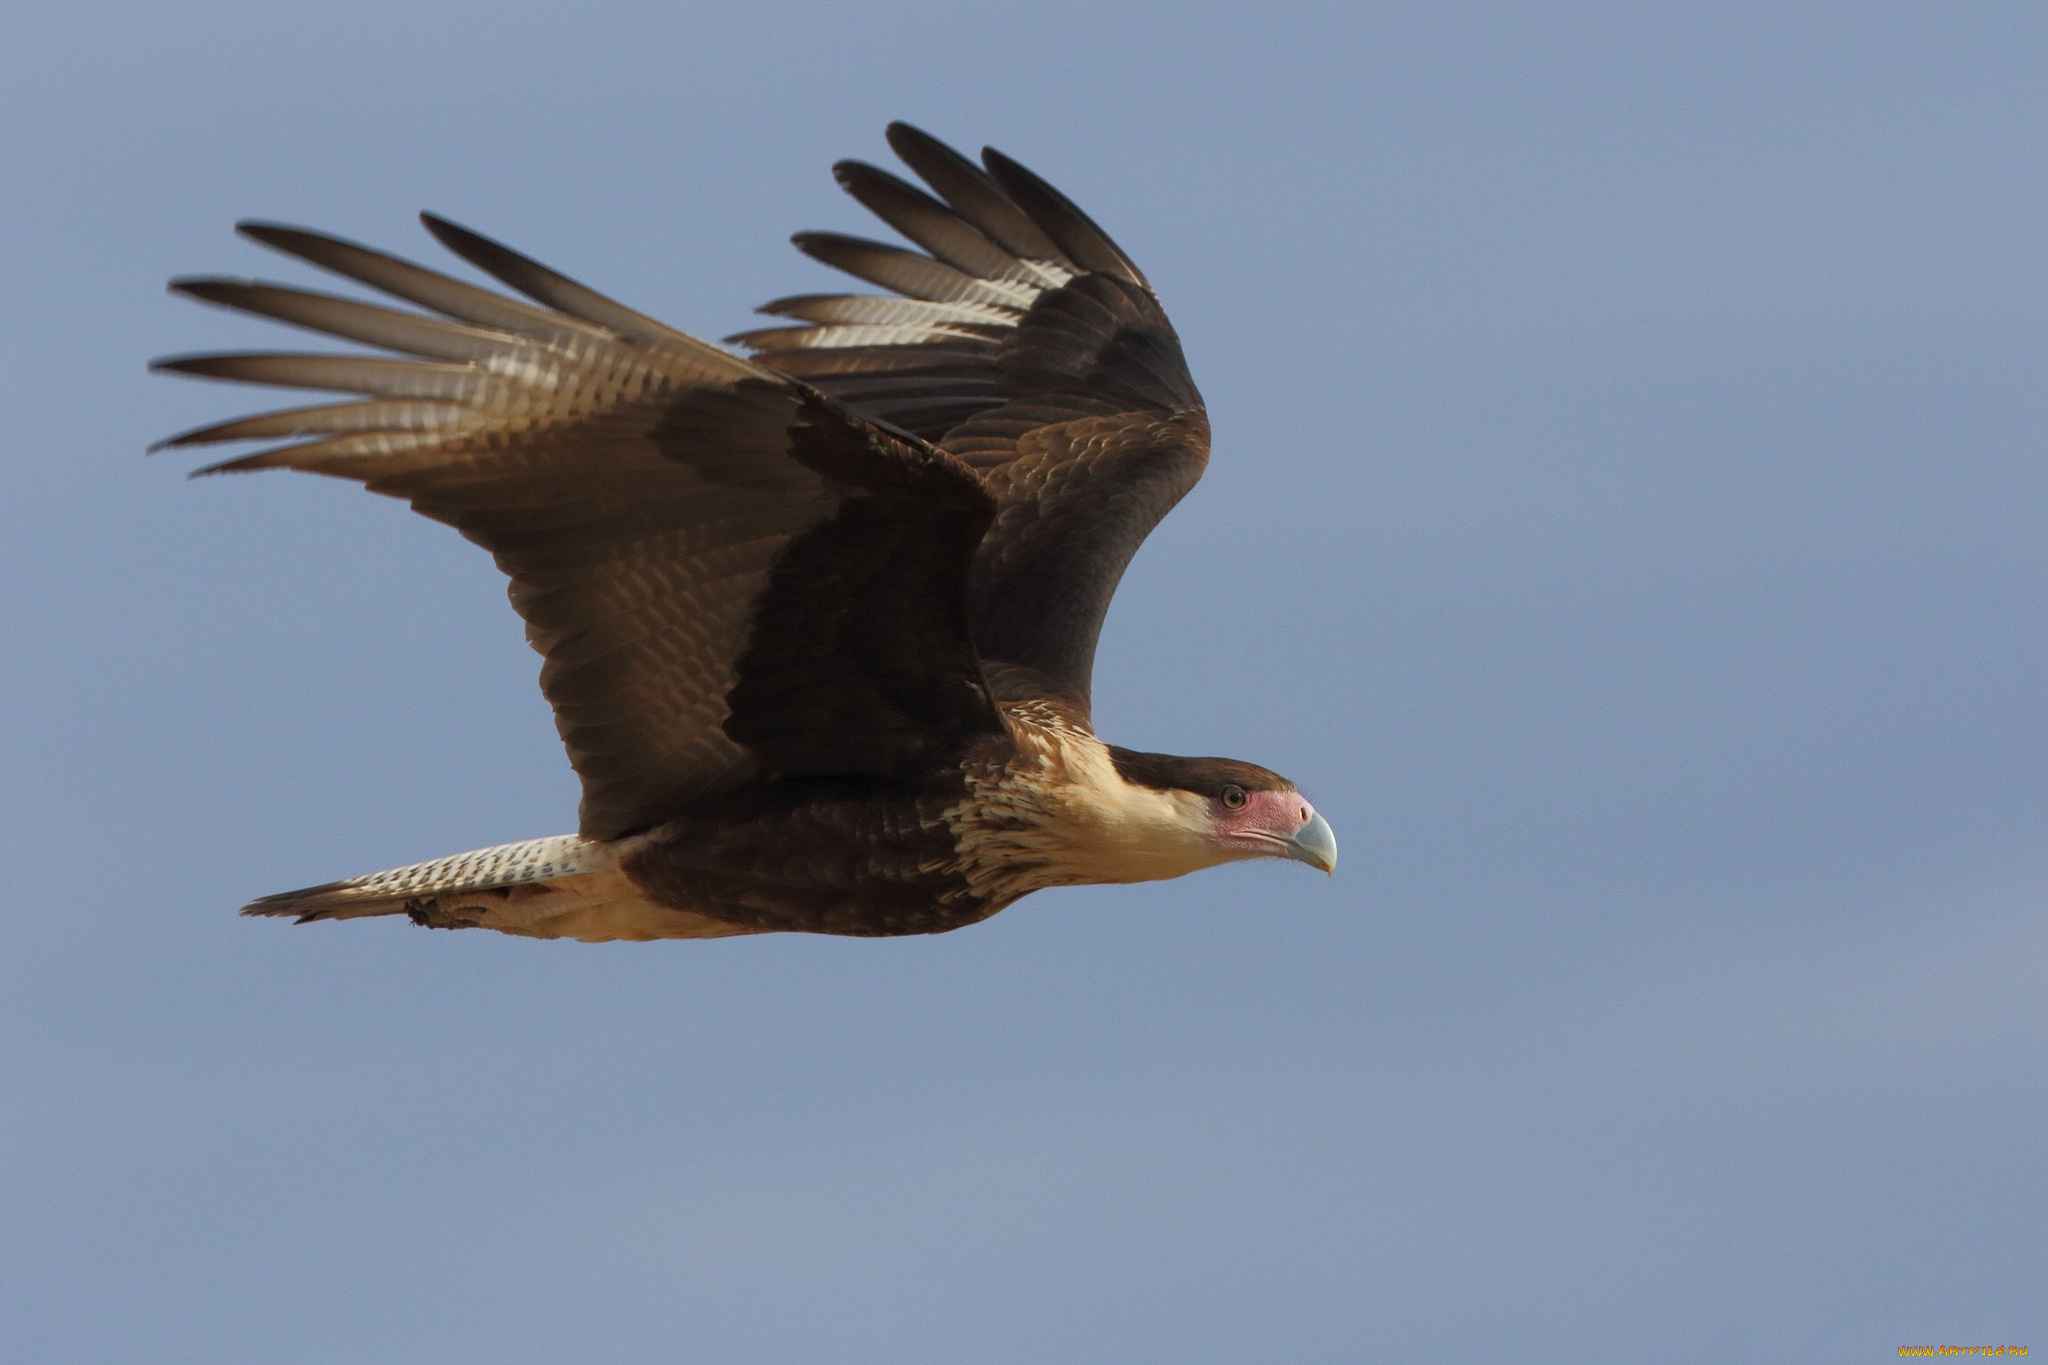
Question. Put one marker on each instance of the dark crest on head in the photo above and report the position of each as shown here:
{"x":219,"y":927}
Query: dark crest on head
{"x":1203,"y":776}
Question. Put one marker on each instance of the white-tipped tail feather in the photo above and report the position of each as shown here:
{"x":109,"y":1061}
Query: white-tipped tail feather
{"x":564,"y":886}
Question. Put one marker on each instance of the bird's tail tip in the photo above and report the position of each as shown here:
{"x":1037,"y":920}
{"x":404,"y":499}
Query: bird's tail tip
{"x":399,"y":890}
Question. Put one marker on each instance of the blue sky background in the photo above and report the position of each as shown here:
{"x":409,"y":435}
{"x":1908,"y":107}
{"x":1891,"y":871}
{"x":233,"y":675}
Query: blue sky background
{"x":1625,"y":525}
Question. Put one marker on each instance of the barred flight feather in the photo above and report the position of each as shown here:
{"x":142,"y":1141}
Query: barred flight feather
{"x":886,"y":309}
{"x":428,"y":288}
{"x":906,"y":272}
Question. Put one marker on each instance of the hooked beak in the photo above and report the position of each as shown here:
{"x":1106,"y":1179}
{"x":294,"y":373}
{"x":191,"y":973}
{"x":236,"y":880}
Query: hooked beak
{"x":1315,"y":843}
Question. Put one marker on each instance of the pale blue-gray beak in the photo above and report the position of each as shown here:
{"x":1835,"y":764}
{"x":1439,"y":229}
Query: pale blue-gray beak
{"x":1315,"y":843}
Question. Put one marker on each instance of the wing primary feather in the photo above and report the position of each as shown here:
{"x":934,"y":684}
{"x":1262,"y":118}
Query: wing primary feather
{"x":387,"y":378}
{"x":331,"y":456}
{"x":972,"y":194}
{"x":924,"y":220}
{"x":953,"y":335}
{"x":417,"y":284}
{"x":326,"y":419}
{"x":887,"y":309}
{"x":556,"y":290}
{"x":889,"y":364}
{"x":907,"y":272}
{"x":368,"y":323}
{"x":1087,"y":245}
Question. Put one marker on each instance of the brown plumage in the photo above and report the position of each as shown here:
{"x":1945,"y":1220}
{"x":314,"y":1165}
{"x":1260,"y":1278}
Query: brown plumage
{"x":818,"y":624}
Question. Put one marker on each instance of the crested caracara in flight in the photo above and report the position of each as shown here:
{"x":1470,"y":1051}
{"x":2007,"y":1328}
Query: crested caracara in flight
{"x":818,"y":622}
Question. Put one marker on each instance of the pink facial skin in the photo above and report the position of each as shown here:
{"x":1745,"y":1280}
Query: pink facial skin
{"x":1265,"y":824}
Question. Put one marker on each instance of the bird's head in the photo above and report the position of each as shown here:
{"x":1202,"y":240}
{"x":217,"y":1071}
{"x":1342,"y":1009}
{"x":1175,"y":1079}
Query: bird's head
{"x":1235,"y":810}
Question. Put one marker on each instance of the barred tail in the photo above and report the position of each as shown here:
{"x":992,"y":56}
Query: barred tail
{"x":486,"y":874}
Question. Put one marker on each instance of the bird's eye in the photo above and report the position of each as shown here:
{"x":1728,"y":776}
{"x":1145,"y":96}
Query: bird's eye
{"x":1233,"y":797}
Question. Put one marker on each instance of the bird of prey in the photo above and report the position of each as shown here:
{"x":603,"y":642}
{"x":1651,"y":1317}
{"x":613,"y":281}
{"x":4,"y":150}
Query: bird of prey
{"x":818,"y":621}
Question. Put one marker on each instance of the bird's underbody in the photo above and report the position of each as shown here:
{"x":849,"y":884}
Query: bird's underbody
{"x":818,"y":623}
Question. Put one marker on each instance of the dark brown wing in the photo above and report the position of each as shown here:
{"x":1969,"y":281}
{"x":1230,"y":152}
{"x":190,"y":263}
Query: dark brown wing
{"x":1027,"y":344}
{"x":728,"y":574}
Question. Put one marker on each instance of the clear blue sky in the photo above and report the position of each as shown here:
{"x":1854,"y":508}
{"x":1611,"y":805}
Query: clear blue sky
{"x":1625,"y":525}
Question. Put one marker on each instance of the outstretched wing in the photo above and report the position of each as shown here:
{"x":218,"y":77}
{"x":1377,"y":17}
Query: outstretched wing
{"x":1028,"y":345}
{"x":727,"y":573}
